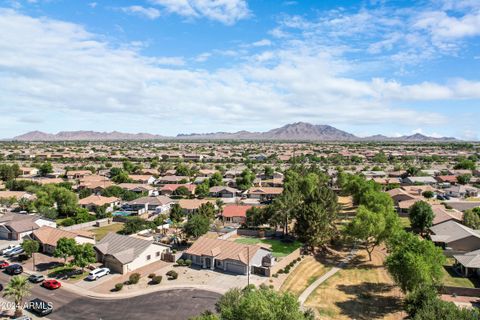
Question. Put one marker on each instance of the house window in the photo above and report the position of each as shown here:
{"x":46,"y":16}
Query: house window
{"x":158,"y":254}
{"x":149,"y":257}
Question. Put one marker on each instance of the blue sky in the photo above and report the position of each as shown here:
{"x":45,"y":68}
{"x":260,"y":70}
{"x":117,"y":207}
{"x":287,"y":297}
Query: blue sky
{"x":182,"y":66}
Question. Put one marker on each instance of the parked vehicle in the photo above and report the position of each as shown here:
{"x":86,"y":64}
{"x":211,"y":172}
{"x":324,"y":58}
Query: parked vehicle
{"x":1,"y":287}
{"x":36,"y":278}
{"x":98,"y":273}
{"x":440,"y":197}
{"x":10,"y":248}
{"x":51,"y":284}
{"x":14,"y":252}
{"x":4,"y":264}
{"x":40,"y":307}
{"x":14,"y":269}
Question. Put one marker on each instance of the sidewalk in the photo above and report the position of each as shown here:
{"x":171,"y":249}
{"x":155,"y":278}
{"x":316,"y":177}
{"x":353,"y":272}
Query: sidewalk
{"x":307,"y":292}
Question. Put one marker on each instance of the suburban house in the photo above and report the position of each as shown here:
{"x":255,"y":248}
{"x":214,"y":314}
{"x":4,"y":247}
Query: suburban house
{"x":398,"y":195}
{"x":264,"y":193}
{"x":141,"y":178}
{"x":450,"y":179}
{"x":17,"y":195}
{"x":92,"y":202}
{"x":469,"y":263}
{"x":78,"y":174}
{"x":172,"y":180}
{"x":228,"y":256}
{"x":48,"y":237}
{"x":123,"y":254}
{"x":461,"y":191}
{"x":420,"y":180}
{"x":235,"y":213}
{"x":14,"y":226}
{"x":192,"y":205}
{"x":28,"y":172}
{"x":158,"y":204}
{"x":139,"y":188}
{"x":454,"y":236}
{"x":223,"y":192}
{"x":442,"y":214}
{"x":169,"y":189}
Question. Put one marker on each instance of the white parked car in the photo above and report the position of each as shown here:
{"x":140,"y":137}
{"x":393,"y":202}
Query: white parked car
{"x":98,"y":273}
{"x":13,"y":252}
{"x":10,"y":248}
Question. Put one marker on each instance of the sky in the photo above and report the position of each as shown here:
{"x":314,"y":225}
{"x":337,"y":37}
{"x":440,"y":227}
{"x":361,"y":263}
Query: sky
{"x":182,"y":66}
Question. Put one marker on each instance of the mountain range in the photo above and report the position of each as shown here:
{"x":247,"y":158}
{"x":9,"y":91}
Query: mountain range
{"x":299,"y":131}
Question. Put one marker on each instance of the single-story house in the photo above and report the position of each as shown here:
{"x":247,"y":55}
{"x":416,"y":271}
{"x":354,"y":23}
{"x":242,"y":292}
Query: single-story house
{"x":157,"y":204}
{"x":172,"y":179}
{"x":461,"y":191}
{"x":92,"y":202}
{"x":48,"y":237}
{"x":420,"y":180}
{"x":123,"y":254}
{"x":228,"y":256}
{"x":398,"y":195}
{"x":28,"y":172}
{"x":447,"y":179}
{"x":78,"y":174}
{"x":223,"y":192}
{"x":142,"y":178}
{"x":139,"y":188}
{"x":264,"y":193}
{"x":442,"y":214}
{"x":469,"y":263}
{"x":169,"y":189}
{"x":235,"y":213}
{"x":455,"y":236}
{"x":14,"y":226}
{"x":191,"y":205}
{"x":17,"y":195}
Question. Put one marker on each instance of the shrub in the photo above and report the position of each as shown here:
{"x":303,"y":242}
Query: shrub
{"x":180,"y":262}
{"x":156,"y":279}
{"x":299,"y":259}
{"x":151,"y":275}
{"x":275,"y":275}
{"x":188,"y":262}
{"x":119,"y":286}
{"x":280,"y":271}
{"x":134,"y":278}
{"x":172,"y":275}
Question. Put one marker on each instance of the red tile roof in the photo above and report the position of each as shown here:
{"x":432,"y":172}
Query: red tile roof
{"x":235,"y":211}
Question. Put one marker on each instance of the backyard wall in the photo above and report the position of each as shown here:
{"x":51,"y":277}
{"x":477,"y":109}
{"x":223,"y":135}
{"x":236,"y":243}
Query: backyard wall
{"x":284,"y":262}
{"x":95,"y":223}
{"x":228,"y":235}
{"x":258,"y":233}
{"x":461,"y":291}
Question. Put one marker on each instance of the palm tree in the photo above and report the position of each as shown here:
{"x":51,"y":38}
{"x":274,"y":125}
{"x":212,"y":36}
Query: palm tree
{"x":17,"y":289}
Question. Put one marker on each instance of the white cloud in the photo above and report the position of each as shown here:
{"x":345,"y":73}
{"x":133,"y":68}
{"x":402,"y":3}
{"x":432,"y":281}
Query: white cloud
{"x":262,"y":43}
{"x":61,"y":68}
{"x":93,"y":5}
{"x":225,"y":11}
{"x":149,"y":13}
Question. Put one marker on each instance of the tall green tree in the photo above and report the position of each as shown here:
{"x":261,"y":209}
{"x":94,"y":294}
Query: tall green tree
{"x":65,"y":248}
{"x":176,"y":213}
{"x":30,"y":247}
{"x":196,"y":226}
{"x":421,"y":216}
{"x":83,"y":255}
{"x":471,"y":218}
{"x":45,"y":168}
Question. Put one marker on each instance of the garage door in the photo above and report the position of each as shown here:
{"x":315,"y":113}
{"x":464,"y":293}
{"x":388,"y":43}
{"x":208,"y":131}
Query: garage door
{"x":236,"y":268}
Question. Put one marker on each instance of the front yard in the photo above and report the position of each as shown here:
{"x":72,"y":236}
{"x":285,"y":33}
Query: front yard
{"x":453,"y":279}
{"x":279,"y":248}
{"x":309,"y":270}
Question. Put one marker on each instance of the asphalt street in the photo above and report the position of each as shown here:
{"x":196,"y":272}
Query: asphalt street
{"x":172,"y":305}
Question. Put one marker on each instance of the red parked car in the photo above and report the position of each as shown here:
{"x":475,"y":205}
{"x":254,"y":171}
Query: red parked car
{"x":4,"y":264}
{"x":51,"y":284}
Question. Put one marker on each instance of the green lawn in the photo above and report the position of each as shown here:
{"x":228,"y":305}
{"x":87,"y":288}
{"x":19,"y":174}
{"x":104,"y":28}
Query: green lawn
{"x":279,"y":248}
{"x":405,"y":222}
{"x":450,"y":278}
{"x":71,"y":273}
{"x":101,"y":232}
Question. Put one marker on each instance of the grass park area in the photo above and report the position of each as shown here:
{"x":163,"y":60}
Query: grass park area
{"x":309,"y":270}
{"x":362,"y":290}
{"x":279,"y":248}
{"x":101,"y":232}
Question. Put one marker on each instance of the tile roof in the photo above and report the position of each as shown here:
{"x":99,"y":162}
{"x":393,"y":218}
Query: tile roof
{"x":50,"y":236}
{"x":124,"y":248}
{"x":235,"y":211}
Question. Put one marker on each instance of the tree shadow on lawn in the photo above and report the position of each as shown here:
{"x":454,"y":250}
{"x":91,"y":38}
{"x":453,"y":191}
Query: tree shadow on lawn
{"x":454,"y":274}
{"x":369,"y":301}
{"x":48,"y":265}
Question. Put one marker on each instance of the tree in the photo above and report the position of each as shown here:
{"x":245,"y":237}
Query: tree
{"x":176,"y":213}
{"x":207,"y":210}
{"x":245,"y":180}
{"x":258,"y":304}
{"x":216,"y":179}
{"x":17,"y":289}
{"x":182,"y":170}
{"x":428,"y":194}
{"x":471,"y":218}
{"x":83,"y":193}
{"x":128,"y":166}
{"x":464,"y":178}
{"x":203,"y":189}
{"x":66,"y":201}
{"x":368,"y":227}
{"x":256,"y":216}
{"x":421,"y":216}
{"x":133,"y":225}
{"x":24,"y":203}
{"x":268,"y":171}
{"x":83,"y":255}
{"x":65,"y":248}
{"x":30,"y":247}
{"x":45,"y":168}
{"x":414,"y":262}
{"x":465,"y":164}
{"x":181,"y":191}
{"x":196,"y":226}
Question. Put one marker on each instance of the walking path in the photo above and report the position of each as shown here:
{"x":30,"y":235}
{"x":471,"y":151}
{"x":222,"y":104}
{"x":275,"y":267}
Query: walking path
{"x":307,"y":292}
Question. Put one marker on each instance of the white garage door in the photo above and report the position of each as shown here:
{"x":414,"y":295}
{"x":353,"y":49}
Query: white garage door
{"x":236,"y":268}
